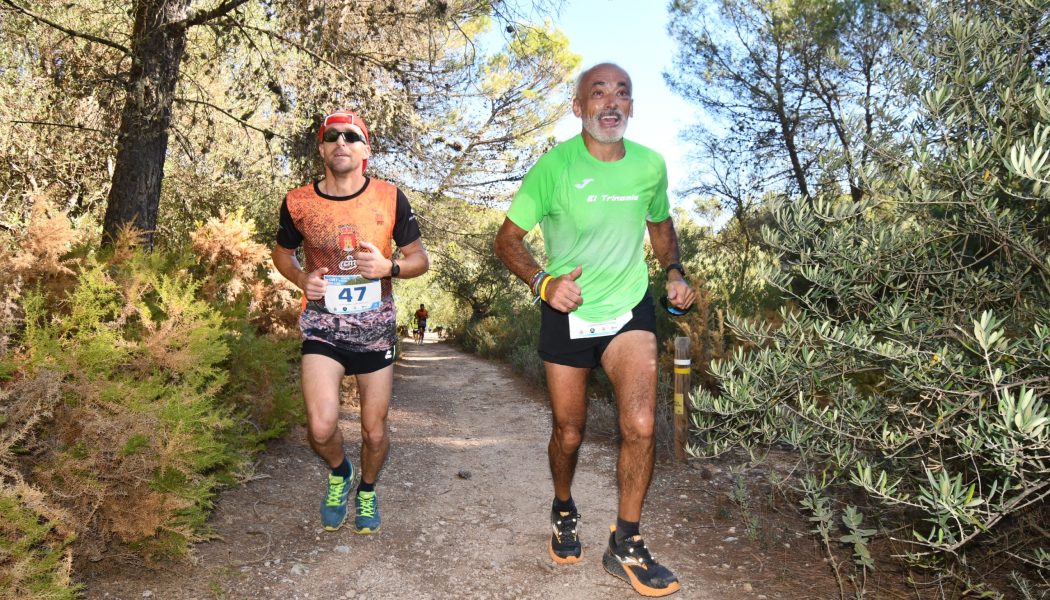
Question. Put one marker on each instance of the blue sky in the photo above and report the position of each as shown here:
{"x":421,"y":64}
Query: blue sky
{"x":633,"y":34}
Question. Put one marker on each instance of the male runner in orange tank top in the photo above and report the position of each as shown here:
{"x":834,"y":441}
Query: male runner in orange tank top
{"x":346,"y":225}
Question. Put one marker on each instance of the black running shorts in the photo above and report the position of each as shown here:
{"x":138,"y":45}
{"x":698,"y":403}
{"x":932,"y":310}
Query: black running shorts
{"x":556,"y":346}
{"x":354,"y":363}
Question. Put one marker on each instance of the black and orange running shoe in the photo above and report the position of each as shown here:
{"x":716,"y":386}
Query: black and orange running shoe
{"x":630,"y":561}
{"x":565,"y":545}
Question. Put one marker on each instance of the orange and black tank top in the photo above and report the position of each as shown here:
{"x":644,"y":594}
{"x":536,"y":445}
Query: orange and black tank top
{"x":330,"y":229}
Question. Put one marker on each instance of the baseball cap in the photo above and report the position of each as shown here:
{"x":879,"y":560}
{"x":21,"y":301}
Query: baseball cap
{"x":350,"y":118}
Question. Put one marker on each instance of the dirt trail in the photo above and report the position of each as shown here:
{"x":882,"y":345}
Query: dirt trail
{"x":464,"y":499}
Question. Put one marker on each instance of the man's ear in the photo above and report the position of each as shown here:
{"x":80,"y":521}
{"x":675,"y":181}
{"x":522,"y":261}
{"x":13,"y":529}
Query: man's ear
{"x":576,"y":107}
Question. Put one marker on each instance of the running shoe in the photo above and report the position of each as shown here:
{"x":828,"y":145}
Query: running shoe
{"x":333,"y":507}
{"x":366,"y":513}
{"x":630,"y":561}
{"x":565,"y":546}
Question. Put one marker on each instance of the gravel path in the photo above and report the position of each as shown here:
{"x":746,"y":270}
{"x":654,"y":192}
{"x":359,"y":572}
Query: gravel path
{"x":464,"y":499}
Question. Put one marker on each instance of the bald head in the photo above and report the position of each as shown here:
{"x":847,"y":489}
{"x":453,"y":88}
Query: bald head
{"x":604,"y":104}
{"x":603,"y":69}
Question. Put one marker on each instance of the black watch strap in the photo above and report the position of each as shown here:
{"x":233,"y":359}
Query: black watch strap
{"x":676,"y":266}
{"x":395,"y":269}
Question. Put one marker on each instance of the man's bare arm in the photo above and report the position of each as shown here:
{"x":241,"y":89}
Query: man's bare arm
{"x":562,"y":293}
{"x":415,"y":260}
{"x":665,"y":242}
{"x":288,"y":265}
{"x":313,"y":284}
{"x":665,"y":246}
{"x":509,"y":246}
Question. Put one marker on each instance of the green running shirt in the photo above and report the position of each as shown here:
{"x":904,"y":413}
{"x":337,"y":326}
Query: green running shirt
{"x":593,"y":214}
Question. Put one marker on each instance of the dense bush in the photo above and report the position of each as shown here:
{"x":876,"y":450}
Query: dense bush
{"x":913,"y":361}
{"x":136,"y":385}
{"x":510,"y":333}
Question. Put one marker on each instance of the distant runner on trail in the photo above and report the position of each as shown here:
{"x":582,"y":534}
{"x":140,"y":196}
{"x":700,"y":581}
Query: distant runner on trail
{"x":345,"y":224}
{"x":593,"y":197}
{"x":421,"y":321}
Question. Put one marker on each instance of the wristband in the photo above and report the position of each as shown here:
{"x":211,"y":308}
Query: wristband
{"x":676,"y":266}
{"x":543,"y":287}
{"x":536,"y":278}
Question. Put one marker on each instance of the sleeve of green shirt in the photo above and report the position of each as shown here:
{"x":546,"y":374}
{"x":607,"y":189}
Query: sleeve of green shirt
{"x":660,"y":206}
{"x":533,"y":200}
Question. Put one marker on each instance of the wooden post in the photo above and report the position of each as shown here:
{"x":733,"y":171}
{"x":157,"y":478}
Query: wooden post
{"x":682,"y":375}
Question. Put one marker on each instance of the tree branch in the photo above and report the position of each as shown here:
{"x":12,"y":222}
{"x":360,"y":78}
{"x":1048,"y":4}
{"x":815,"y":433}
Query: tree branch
{"x":284,"y":39}
{"x":246,"y":124}
{"x":200,"y":18}
{"x":66,"y":30}
{"x":49,"y":124}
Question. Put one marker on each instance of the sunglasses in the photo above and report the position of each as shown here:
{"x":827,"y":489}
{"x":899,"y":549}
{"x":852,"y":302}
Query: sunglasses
{"x":349,"y":136}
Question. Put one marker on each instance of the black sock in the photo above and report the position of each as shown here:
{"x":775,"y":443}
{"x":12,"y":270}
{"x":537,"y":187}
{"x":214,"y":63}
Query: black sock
{"x":366,"y":487}
{"x":625,"y":529}
{"x":343,"y":470}
{"x":564,"y":505}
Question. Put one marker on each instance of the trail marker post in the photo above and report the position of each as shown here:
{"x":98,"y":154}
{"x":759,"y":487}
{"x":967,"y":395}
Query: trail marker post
{"x":682,"y":375}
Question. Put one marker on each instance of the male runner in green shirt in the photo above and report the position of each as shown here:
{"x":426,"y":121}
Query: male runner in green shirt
{"x":593,"y":197}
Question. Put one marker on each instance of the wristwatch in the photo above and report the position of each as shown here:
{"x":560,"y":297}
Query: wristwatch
{"x":395,"y":269}
{"x":677,"y":266}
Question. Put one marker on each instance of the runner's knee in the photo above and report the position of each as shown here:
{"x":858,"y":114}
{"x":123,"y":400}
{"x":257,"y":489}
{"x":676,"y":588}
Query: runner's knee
{"x":637,"y":428}
{"x":568,"y":437}
{"x":374,"y":437}
{"x":322,"y":431}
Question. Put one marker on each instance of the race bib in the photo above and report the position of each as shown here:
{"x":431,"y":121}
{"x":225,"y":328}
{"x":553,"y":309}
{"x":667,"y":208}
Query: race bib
{"x":349,"y":294}
{"x":580,"y":328}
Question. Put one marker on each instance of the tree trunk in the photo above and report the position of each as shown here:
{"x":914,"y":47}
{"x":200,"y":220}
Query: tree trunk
{"x":479,"y":311}
{"x":157,"y":48}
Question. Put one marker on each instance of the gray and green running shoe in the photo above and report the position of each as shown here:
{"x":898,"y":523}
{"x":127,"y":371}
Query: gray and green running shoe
{"x":333,"y":507}
{"x":366,"y":513}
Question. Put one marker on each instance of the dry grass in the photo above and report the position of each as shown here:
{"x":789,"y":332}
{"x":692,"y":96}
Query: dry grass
{"x":37,"y":560}
{"x":234,"y":264}
{"x":38,"y":257}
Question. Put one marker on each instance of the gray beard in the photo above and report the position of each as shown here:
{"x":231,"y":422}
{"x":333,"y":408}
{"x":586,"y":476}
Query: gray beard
{"x":592,"y":126}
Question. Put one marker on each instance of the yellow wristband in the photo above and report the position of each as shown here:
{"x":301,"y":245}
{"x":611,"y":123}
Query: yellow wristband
{"x":543,"y":287}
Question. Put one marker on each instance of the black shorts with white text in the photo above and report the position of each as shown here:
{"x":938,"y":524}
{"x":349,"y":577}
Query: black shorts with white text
{"x":557,"y":347}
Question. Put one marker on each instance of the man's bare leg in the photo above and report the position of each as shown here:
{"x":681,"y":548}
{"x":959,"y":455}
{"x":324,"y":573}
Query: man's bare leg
{"x":375,"y":404}
{"x":568,"y":394}
{"x":321,"y":377}
{"x":630,"y":363}
{"x":568,"y":387}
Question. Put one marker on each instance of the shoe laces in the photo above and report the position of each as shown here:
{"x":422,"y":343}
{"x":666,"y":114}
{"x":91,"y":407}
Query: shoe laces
{"x":366,"y":504}
{"x":634,"y":547}
{"x":336,"y":485}
{"x":566,"y":524}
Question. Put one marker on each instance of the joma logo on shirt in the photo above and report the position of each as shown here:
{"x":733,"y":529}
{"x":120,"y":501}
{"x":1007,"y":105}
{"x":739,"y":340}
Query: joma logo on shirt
{"x":611,"y":198}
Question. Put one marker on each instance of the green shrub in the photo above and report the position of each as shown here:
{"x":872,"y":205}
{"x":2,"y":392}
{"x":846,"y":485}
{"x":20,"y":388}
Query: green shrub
{"x":263,"y":384}
{"x":148,"y":392}
{"x":505,"y":333}
{"x":913,"y":364}
{"x":35,"y":558}
{"x":141,"y":361}
{"x":525,"y":360}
